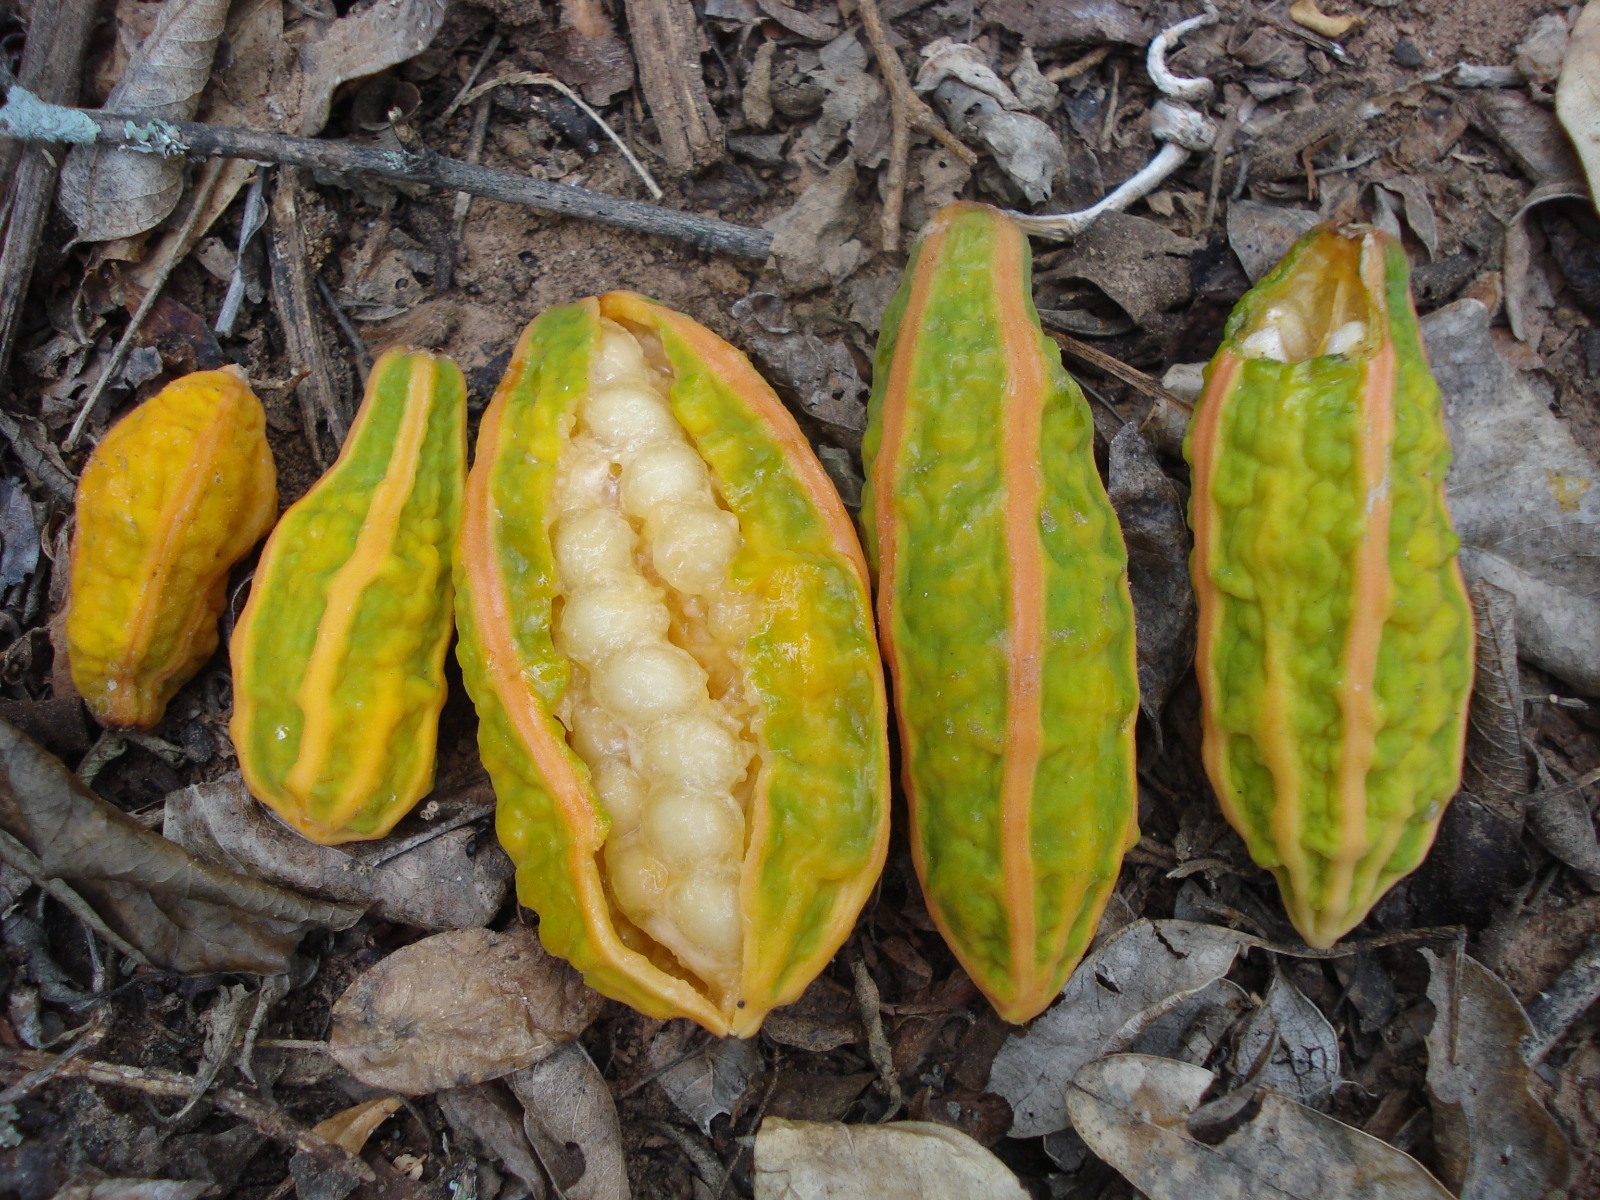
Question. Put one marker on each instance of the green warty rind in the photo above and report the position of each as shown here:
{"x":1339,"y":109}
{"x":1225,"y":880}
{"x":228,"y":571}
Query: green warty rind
{"x":949,"y":621}
{"x":1291,"y":517}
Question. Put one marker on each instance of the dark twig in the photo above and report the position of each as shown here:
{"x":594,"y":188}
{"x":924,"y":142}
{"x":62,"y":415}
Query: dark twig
{"x":268,"y":1119}
{"x":295,"y":299}
{"x":909,"y":114}
{"x":1107,"y":365}
{"x":51,"y":63}
{"x":27,"y":118}
{"x":1558,"y":1008}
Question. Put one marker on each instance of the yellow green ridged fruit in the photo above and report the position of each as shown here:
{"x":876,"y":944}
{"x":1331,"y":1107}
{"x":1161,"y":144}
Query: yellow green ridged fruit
{"x":338,"y":658}
{"x":1335,"y":653}
{"x":1004,"y":611}
{"x":666,"y":630}
{"x":171,"y":498}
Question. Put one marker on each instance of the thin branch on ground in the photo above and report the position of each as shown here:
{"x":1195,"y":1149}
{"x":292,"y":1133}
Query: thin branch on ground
{"x":1145,"y":385}
{"x":125,"y":343}
{"x":1559,"y":1006}
{"x":27,"y":118}
{"x":267,"y":1118}
{"x":543,"y":79}
{"x":26,"y":861}
{"x":909,"y":114}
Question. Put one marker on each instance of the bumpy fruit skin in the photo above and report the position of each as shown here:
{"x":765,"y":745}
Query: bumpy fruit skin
{"x":1335,"y":649}
{"x":171,"y":498}
{"x":818,"y":821}
{"x":338,"y":658}
{"x":1004,"y":609}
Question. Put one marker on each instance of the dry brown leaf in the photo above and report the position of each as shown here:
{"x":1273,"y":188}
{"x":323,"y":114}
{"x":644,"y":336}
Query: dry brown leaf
{"x":109,"y":193}
{"x":1517,"y":255}
{"x":1151,"y":514}
{"x":178,"y":911}
{"x":486,"y":1114}
{"x":1045,"y":24}
{"x":812,"y":242}
{"x":1140,"y":265}
{"x":1524,"y":496}
{"x":363,"y":43}
{"x":1304,"y":1064}
{"x":352,"y":1127}
{"x":455,"y":880}
{"x":904,"y":1160}
{"x":457,"y":1008}
{"x":1416,"y":205}
{"x":1307,"y":14}
{"x":1495,"y":1141}
{"x":1578,"y":93}
{"x":571,"y":1120}
{"x":135,"y":1189}
{"x":1133,"y":1111}
{"x":1496,"y":767}
{"x":1260,"y":234}
{"x":1193,"y":1030}
{"x":707,"y":1082}
{"x":1147,"y":969}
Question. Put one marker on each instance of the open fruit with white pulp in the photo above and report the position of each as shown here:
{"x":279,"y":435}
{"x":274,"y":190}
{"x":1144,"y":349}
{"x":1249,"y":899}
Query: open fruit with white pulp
{"x":668,"y":640}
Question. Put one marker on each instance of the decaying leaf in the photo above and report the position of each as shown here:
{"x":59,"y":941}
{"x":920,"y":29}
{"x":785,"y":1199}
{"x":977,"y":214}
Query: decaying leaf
{"x":109,"y":193}
{"x":362,"y":43}
{"x":812,"y":242}
{"x":1578,"y":93}
{"x":1495,"y":1141}
{"x":1045,"y":24}
{"x":904,"y":1160}
{"x":1517,"y":257}
{"x":1145,"y":970}
{"x":178,"y":911}
{"x":1139,"y":264}
{"x":1133,"y":1111}
{"x":455,"y":880}
{"x":853,"y":105}
{"x":486,"y":1114}
{"x":353,"y":1126}
{"x":1539,"y":54}
{"x":1523,"y":496}
{"x":1413,"y":202}
{"x":948,"y":59}
{"x":816,"y":376}
{"x":457,"y":1008}
{"x":1260,"y":234}
{"x":571,"y":1120}
{"x":1531,"y":135}
{"x":135,"y":1189}
{"x":1157,"y":535}
{"x":1023,"y":146}
{"x":1560,"y":818}
{"x":1496,"y":767}
{"x":19,"y":534}
{"x":1304,"y":1064}
{"x":1193,"y":1029}
{"x":707,"y":1082}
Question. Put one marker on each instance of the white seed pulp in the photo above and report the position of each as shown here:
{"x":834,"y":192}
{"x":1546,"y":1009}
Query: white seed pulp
{"x":647,"y":615}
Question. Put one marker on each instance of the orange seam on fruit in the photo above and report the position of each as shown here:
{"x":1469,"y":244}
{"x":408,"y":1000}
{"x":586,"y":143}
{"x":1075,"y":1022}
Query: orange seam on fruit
{"x":344,"y":594}
{"x":1205,"y":431}
{"x":890,"y":445}
{"x":158,"y":564}
{"x":1023,"y":407}
{"x":1370,"y":606}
